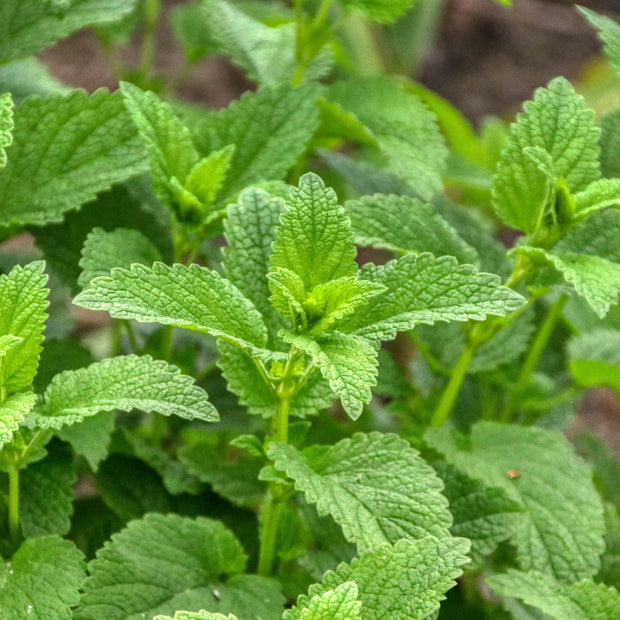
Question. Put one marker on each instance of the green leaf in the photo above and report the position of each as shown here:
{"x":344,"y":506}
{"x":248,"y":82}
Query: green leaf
{"x":425,"y":289}
{"x":408,"y":137}
{"x":609,"y":34}
{"x":340,"y":124}
{"x":595,"y":358}
{"x":610,"y":143}
{"x":57,"y":569}
{"x":562,"y":527}
{"x":250,"y":231}
{"x":127,"y":382}
{"x":314,"y":238}
{"x":376,"y":487}
{"x":6,"y":125}
{"x":91,"y":437}
{"x":46,"y":496}
{"x":270,"y":130}
{"x":28,"y":76}
{"x":598,"y":195}
{"x":406,"y":580}
{"x":13,"y":410}
{"x":168,"y":142}
{"x":245,"y":380}
{"x":348,"y":362}
{"x":558,"y":123}
{"x":584,"y":600}
{"x":118,"y":248}
{"x":28,"y":26}
{"x":483,"y":514}
{"x":338,"y":604}
{"x":23,"y":304}
{"x":201,"y":615}
{"x":382,"y":11}
{"x":162,"y":563}
{"x":404,"y":224}
{"x":46,"y":176}
{"x":191,"y":296}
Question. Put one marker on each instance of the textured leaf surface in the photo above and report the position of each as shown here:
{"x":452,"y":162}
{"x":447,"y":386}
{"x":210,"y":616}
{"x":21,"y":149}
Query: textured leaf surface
{"x":12,"y":411}
{"x":46,"y":176}
{"x":247,"y":383}
{"x":46,"y":496}
{"x":163,"y":563}
{"x":376,"y":487}
{"x":27,"y":26}
{"x":23,"y":304}
{"x":595,"y":358}
{"x":121,"y":247}
{"x":348,"y":362}
{"x":6,"y":125}
{"x":379,"y":10}
{"x":407,"y":580}
{"x":127,"y":382}
{"x":270,"y":129}
{"x":338,"y":604}
{"x":168,"y":142}
{"x":610,"y":143}
{"x":200,"y":615}
{"x":424,"y":289}
{"x":558,"y":123}
{"x":584,"y":600}
{"x":598,"y":195}
{"x":405,"y":130}
{"x":562,"y":527}
{"x":192,"y":297}
{"x":609,"y":33}
{"x":42,"y":580}
{"x":405,"y":224}
{"x":91,"y":437}
{"x":485,"y":515}
{"x":314,"y":238}
{"x":250,"y":231}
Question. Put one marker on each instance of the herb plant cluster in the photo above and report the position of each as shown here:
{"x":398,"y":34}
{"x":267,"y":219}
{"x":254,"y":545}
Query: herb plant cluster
{"x":267,"y":426}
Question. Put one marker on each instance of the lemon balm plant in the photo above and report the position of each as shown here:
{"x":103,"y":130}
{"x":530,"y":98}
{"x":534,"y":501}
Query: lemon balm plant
{"x":237,"y":440}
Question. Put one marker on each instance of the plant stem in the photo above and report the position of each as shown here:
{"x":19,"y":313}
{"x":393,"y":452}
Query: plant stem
{"x":147,"y":50}
{"x":533,"y":357}
{"x":13,"y":503}
{"x":131,"y":335}
{"x":166,"y":342}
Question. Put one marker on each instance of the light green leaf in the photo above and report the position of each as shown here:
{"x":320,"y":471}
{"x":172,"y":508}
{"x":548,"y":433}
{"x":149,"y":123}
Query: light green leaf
{"x":595,"y":358}
{"x":118,"y":248}
{"x":599,"y":195}
{"x":404,"y":224}
{"x":270,"y":130}
{"x":244,"y":380}
{"x":483,"y":514}
{"x":382,"y":11}
{"x":338,"y":604}
{"x":91,"y":437}
{"x":250,"y":229}
{"x":343,"y":125}
{"x":584,"y":600}
{"x":12,"y":412}
{"x":375,"y":486}
{"x":201,"y":615}
{"x":191,"y":296}
{"x":610,"y":143}
{"x":609,"y":34}
{"x":127,"y":382}
{"x":45,"y":508}
{"x":314,"y":238}
{"x":408,"y":137}
{"x":46,"y":176}
{"x":28,"y":76}
{"x":6,"y":125}
{"x":23,"y":304}
{"x":27,"y":26}
{"x":57,"y":569}
{"x":162,"y":563}
{"x":425,"y":289}
{"x":348,"y":362}
{"x":562,"y":527}
{"x":167,"y":141}
{"x":407,"y":580}
{"x":557,"y":122}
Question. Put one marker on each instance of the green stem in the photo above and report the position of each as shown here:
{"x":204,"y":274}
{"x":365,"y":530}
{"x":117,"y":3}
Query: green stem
{"x":166,"y":342}
{"x":147,"y":50}
{"x":132,"y":336}
{"x":13,"y":503}
{"x":446,"y":403}
{"x":533,"y":357}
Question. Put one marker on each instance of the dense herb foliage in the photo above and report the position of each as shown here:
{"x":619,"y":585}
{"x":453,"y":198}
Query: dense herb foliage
{"x":234,"y":439}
